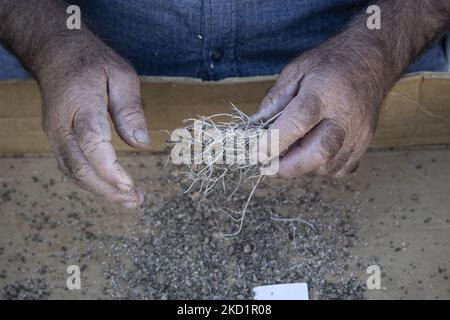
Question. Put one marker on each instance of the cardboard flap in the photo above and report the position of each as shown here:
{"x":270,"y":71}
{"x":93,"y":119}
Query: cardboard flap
{"x":416,"y":112}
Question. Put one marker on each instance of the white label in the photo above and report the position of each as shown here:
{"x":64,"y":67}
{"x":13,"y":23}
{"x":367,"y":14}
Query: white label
{"x":290,"y":291}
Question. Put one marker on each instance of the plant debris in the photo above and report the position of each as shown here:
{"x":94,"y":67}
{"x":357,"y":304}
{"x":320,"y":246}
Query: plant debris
{"x":220,"y":159}
{"x":203,"y":264}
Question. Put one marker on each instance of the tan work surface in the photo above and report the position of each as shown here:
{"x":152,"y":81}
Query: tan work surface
{"x":394,"y":213}
{"x":416,"y":112}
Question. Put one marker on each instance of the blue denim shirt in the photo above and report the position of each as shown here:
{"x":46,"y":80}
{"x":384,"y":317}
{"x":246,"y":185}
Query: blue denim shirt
{"x":215,"y":39}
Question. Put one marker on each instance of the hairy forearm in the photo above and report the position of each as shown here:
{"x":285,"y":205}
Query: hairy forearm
{"x":29,"y":28}
{"x":408,"y":27}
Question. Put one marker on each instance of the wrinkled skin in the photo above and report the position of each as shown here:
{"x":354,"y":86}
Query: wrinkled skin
{"x":328,"y":116}
{"x":79,"y":87}
{"x":330,"y":96}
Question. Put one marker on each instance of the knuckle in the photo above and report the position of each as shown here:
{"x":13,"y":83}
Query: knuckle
{"x":121,"y":66}
{"x":132,"y":114}
{"x":314,"y":100}
{"x":84,"y":125}
{"x":55,"y":128}
{"x":124,"y":73}
{"x":62,"y":164}
{"x":91,"y":129}
{"x":70,"y":165}
{"x":329,"y":147}
{"x":294,"y":126}
{"x":306,"y":113}
{"x":61,"y":131}
{"x":80,"y":172}
{"x":338,"y":162}
{"x":271,"y":98}
{"x":130,"y":73}
{"x":310,"y":109}
{"x":90,"y":146}
{"x":295,"y":67}
{"x":332,"y":140}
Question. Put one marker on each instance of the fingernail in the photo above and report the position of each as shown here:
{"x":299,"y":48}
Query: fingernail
{"x":141,"y":136}
{"x":129,"y":205}
{"x":124,"y":187}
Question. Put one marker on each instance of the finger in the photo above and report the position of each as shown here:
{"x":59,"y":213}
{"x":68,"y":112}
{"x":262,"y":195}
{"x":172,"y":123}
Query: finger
{"x":93,"y":134}
{"x":352,"y":168}
{"x":125,"y":106}
{"x":346,"y":170}
{"x":338,"y":162}
{"x":313,"y":151}
{"x":301,"y":115}
{"x":279,"y":96}
{"x":352,"y":164}
{"x":73,"y":163}
{"x":353,"y":156}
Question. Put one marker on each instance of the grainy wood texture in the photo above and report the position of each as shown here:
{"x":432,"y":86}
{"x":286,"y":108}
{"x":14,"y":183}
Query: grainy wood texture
{"x":416,"y":112}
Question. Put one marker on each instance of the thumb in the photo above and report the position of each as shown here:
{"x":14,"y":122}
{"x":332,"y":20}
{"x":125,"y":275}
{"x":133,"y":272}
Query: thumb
{"x":279,"y":96}
{"x":301,"y":115}
{"x":125,"y":107}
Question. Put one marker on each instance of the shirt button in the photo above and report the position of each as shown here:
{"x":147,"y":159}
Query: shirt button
{"x":217,"y":54}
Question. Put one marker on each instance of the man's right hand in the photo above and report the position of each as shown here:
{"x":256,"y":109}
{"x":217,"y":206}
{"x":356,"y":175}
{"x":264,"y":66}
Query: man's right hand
{"x":81,"y":80}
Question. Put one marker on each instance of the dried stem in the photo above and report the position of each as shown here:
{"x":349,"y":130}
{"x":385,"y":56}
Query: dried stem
{"x":208,"y":174}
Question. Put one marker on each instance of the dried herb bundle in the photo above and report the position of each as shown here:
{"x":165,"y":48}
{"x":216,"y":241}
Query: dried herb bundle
{"x":220,"y":157}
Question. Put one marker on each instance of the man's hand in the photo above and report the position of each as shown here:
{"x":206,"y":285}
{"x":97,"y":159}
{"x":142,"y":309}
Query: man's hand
{"x":328,"y":116}
{"x":81,"y":80}
{"x":330,"y":97}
